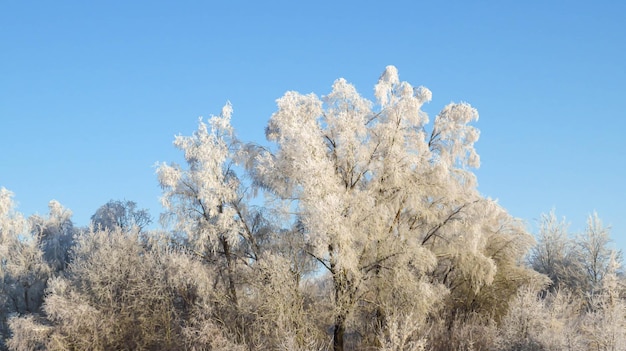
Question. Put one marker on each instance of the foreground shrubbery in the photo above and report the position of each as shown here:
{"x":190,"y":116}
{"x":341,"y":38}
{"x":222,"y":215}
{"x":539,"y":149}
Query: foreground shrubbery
{"x":369,"y":234}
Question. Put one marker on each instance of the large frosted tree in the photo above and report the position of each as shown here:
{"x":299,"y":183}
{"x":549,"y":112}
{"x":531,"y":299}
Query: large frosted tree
{"x":387,"y":202}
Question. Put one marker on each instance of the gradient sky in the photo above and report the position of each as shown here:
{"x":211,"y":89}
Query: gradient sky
{"x":93,"y":92}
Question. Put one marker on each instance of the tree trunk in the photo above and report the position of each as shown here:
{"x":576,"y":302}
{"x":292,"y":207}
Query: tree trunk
{"x":232,"y":291}
{"x":340,"y":329}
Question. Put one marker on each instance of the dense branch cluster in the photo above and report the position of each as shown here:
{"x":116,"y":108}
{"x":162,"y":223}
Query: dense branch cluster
{"x":358,"y":226}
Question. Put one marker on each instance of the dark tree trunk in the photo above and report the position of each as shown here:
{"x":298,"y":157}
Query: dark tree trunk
{"x":340,"y":329}
{"x":232,"y":291}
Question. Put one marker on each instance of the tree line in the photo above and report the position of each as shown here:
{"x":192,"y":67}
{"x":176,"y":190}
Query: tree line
{"x":358,"y":226}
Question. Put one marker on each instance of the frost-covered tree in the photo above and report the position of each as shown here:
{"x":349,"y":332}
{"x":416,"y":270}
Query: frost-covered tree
{"x":55,"y":235}
{"x":23,"y":268}
{"x":208,"y":207}
{"x":605,"y":324}
{"x":122,"y":214}
{"x":551,"y":323}
{"x":577,"y":263}
{"x":563,"y":320}
{"x":388,"y":205}
{"x":595,"y":254}
{"x":554,"y":254}
{"x":203,"y":200}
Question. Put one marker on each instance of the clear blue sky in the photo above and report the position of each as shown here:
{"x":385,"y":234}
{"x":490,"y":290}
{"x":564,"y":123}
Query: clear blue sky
{"x":93,"y":92}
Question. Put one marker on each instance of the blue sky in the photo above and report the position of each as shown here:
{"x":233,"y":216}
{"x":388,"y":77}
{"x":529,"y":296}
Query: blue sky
{"x":93,"y":92}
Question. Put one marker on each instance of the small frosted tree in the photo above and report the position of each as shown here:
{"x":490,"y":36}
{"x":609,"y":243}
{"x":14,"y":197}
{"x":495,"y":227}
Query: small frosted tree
{"x":605,"y":323}
{"x":122,"y":214}
{"x":55,"y":235}
{"x":595,"y":254}
{"x":207,"y":206}
{"x":23,"y":268}
{"x":203,"y":200}
{"x":576,"y":263}
{"x":550,"y":323}
{"x":554,"y":254}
